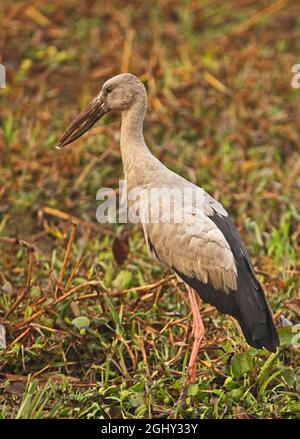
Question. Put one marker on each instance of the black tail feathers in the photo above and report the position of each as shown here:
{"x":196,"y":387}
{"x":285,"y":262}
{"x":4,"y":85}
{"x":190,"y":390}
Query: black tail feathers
{"x":266,"y":337}
{"x":248,"y":305}
{"x":254,"y":315}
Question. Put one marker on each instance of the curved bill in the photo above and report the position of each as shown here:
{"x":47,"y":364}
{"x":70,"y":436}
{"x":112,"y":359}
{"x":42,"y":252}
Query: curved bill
{"x":82,"y":123}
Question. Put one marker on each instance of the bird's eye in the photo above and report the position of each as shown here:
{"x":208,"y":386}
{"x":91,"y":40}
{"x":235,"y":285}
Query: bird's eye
{"x":108,"y":89}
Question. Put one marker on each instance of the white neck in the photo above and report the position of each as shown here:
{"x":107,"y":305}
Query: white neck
{"x":135,"y":153}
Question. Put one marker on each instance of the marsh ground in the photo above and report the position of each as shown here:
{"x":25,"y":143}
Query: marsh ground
{"x":94,"y":327}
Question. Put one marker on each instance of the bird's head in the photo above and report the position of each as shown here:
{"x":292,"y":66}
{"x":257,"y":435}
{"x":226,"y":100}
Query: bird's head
{"x":118,"y":93}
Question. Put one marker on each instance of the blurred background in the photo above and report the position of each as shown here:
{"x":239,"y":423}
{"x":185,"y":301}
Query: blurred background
{"x":90,"y":325}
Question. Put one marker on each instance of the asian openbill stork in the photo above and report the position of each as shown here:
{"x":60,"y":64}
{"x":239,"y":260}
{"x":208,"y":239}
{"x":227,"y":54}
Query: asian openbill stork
{"x":207,"y":254}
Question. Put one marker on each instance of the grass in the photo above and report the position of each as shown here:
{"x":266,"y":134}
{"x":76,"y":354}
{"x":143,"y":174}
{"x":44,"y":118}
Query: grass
{"x":94,"y":327}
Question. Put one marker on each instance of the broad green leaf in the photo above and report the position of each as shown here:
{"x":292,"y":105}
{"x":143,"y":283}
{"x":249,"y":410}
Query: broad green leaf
{"x":289,"y":335}
{"x":81,"y":322}
{"x":266,"y":369}
{"x":241,"y":364}
{"x":123,"y":280}
{"x":193,"y":389}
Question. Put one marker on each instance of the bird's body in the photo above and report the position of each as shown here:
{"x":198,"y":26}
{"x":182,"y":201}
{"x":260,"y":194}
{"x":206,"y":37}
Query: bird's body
{"x":203,"y":248}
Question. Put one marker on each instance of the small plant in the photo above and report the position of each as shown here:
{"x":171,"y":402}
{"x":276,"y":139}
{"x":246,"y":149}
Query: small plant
{"x":34,"y":401}
{"x":280,"y":247}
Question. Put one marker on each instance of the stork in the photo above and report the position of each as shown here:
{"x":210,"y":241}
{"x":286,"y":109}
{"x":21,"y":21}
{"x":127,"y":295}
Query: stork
{"x":207,"y":254}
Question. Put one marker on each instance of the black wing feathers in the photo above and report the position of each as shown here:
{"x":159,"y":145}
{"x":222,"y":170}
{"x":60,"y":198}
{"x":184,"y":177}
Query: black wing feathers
{"x":248,"y":304}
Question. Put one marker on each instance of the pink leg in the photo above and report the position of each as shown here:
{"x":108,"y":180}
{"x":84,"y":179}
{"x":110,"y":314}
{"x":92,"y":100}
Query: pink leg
{"x":198,"y":333}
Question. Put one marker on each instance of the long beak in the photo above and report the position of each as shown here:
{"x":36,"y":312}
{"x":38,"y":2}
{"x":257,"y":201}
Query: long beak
{"x":82,"y":123}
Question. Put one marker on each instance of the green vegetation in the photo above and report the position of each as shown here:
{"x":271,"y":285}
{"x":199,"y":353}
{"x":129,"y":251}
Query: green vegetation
{"x":94,"y":327}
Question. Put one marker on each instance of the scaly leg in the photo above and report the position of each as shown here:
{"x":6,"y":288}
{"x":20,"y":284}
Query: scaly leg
{"x":197,"y":333}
